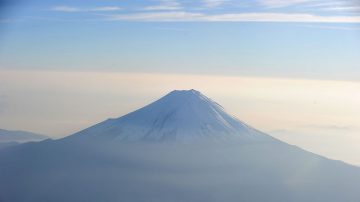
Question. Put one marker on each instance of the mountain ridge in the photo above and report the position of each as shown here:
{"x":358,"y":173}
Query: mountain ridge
{"x":244,"y":169}
{"x":19,"y":136}
{"x":181,"y":115}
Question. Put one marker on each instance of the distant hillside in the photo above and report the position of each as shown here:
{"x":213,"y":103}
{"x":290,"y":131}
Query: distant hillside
{"x":20,"y":136}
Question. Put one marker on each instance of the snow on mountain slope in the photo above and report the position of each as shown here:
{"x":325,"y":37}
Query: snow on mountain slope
{"x":253,"y":167}
{"x":181,"y":115}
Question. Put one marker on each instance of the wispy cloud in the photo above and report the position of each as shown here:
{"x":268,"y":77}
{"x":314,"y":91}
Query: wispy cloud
{"x":344,"y":8}
{"x":234,"y":17}
{"x":281,"y":3}
{"x":160,"y":16}
{"x":165,"y":5}
{"x":71,"y":9}
{"x":319,"y":4}
{"x":325,"y":4}
{"x":106,"y":8}
{"x":214,"y":3}
{"x":177,"y":11}
{"x":341,"y":6}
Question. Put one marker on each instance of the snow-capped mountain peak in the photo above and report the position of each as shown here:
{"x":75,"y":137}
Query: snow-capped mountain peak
{"x":181,"y":115}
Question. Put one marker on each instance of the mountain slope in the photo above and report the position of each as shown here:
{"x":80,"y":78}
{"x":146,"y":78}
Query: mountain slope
{"x":60,"y":171}
{"x":247,"y":166}
{"x":19,"y":136}
{"x":184,"y":115}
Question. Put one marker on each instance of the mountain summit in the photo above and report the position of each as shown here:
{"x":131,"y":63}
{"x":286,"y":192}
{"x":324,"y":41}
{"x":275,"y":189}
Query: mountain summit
{"x":251,"y":167}
{"x":181,"y":115}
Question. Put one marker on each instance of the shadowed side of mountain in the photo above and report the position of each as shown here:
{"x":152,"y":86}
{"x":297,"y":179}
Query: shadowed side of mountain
{"x":8,"y":136}
{"x":222,"y":171}
{"x":121,"y":165}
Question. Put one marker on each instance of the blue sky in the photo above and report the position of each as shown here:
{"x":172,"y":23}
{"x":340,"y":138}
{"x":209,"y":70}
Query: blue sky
{"x":287,"y":67}
{"x":298,"y":38}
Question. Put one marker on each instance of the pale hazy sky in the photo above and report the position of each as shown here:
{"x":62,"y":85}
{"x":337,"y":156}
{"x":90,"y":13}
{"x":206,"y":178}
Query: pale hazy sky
{"x":289,"y":68}
{"x":318,"y":115}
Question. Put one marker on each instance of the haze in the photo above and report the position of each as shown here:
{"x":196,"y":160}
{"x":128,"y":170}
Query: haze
{"x":318,"y":115}
{"x":289,"y":68}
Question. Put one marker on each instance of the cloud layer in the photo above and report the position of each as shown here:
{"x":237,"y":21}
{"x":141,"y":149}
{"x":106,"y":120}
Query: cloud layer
{"x":165,"y":5}
{"x":233,"y":17}
{"x":71,"y":9}
{"x":309,"y":11}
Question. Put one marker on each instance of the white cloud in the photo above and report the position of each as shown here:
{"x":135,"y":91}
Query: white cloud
{"x":284,"y":17}
{"x":161,"y":16}
{"x":75,"y":9}
{"x":322,"y":4}
{"x":165,"y":5}
{"x":106,"y":8}
{"x":235,"y":17}
{"x":343,"y":8}
{"x":281,"y":3}
{"x":333,"y":5}
{"x":214,"y":3}
{"x":330,"y":5}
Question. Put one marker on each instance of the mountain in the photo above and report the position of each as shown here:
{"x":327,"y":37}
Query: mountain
{"x":140,"y":157}
{"x":181,"y":115}
{"x":7,"y":136}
